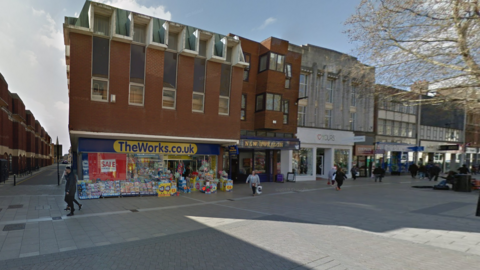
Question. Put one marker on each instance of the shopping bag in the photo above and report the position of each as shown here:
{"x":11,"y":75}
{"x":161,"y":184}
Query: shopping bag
{"x":259,"y":190}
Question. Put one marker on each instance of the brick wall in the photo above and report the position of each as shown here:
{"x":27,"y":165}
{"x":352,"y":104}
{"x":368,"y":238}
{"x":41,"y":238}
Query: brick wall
{"x":150,"y":119}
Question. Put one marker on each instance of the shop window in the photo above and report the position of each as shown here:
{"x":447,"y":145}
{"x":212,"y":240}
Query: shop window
{"x":136,"y":96}
{"x":302,"y":161}
{"x":224,"y":101}
{"x":100,"y":57}
{"x":101,"y":25}
{"x":301,"y":116}
{"x":285,"y":112}
{"x":199,"y":85}
{"x":99,"y":90}
{"x":288,"y":75}
{"x":172,"y":41}
{"x":243,"y":109}
{"x":330,"y":91}
{"x":139,"y":33}
{"x":137,"y":64}
{"x":341,"y":159}
{"x":263,"y":62}
{"x":328,"y":119}
{"x":246,"y":71}
{"x":274,"y":102}
{"x":169,"y":80}
{"x":260,"y":161}
{"x":302,"y":91}
{"x":260,"y":103}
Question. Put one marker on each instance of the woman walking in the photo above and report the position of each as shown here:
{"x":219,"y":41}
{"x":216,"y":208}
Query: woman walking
{"x":254,"y":182}
{"x":339,"y":177}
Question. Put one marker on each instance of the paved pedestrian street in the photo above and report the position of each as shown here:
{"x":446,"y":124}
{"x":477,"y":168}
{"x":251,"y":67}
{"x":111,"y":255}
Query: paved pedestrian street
{"x":309,"y":225}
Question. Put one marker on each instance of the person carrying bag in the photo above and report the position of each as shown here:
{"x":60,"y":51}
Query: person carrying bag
{"x":254,"y":182}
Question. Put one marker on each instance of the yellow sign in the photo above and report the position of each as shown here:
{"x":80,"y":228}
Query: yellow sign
{"x":259,"y":143}
{"x":164,"y":190}
{"x":121,"y":146}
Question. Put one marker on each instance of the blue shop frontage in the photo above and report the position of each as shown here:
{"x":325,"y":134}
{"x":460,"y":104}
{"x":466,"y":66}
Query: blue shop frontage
{"x":264,"y":155}
{"x":394,"y":158}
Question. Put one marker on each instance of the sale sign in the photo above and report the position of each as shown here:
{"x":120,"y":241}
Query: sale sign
{"x":108,"y":165}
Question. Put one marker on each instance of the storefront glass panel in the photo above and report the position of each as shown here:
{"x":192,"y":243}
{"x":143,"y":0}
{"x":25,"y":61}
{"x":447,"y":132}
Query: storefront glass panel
{"x":341,"y":158}
{"x":302,"y":161}
{"x":260,"y":162}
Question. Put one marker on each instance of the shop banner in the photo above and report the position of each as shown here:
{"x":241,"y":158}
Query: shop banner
{"x":364,"y":150}
{"x":270,"y":144}
{"x":85,"y":166}
{"x":108,"y":165}
{"x":144,"y":147}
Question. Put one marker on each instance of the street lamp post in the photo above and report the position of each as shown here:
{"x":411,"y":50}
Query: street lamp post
{"x":58,"y":165}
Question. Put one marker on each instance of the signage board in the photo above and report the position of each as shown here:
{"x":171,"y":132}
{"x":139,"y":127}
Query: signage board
{"x":359,"y":139}
{"x":454,"y":147}
{"x":364,"y":150}
{"x":269,"y":144}
{"x":108,"y":165}
{"x":233,"y":149}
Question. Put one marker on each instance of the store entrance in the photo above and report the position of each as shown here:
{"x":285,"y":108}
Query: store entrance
{"x":234,"y":173}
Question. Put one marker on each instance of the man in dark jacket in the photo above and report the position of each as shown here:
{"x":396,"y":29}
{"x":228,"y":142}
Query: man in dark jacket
{"x":434,"y":172}
{"x":463,"y":169}
{"x":379,"y":173}
{"x":413,"y":169}
{"x":70,"y":189}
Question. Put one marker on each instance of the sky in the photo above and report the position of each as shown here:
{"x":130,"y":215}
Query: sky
{"x":32,"y":51}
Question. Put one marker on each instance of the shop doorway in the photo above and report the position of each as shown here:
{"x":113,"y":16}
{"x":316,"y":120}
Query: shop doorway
{"x":234,"y":172}
{"x":320,"y":162}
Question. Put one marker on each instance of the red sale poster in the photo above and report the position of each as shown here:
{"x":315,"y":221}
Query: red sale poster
{"x":105,"y":166}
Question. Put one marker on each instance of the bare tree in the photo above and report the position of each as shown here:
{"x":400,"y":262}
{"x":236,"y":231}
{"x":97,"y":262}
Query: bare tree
{"x":433,"y":45}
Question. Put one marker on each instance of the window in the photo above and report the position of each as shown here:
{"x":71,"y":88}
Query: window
{"x":388,"y":127}
{"x":101,"y":25}
{"x":137,"y":63}
{"x":288,"y":75}
{"x":136,"y":95}
{"x":99,"y":90}
{"x":169,"y":80}
{"x":302,"y":161}
{"x":274,"y":102}
{"x":100,"y":56}
{"x":139,"y":33}
{"x":353,"y":118}
{"x":243,"y":108}
{"x":285,"y":111}
{"x":302,"y":92}
{"x":172,"y":40}
{"x":353,"y":96}
{"x":198,"y":85}
{"x":329,"y":92}
{"x":381,"y":127}
{"x":404,"y":129}
{"x":202,"y":51}
{"x":246,"y":71}
{"x":396,"y":129}
{"x":301,"y":116}
{"x":272,"y":61}
{"x":259,"y":103}
{"x":328,"y":118}
{"x":224,"y":90}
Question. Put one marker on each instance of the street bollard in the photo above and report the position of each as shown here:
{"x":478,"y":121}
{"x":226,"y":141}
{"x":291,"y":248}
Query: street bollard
{"x":14,"y":180}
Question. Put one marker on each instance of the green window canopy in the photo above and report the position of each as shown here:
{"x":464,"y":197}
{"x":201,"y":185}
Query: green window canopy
{"x":158,"y":31}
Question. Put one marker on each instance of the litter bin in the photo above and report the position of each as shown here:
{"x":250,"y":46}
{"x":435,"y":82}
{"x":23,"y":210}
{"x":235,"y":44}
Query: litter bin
{"x":463,"y":183}
{"x":280,"y":178}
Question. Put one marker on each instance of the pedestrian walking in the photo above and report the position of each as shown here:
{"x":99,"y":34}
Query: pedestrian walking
{"x":413,"y":169}
{"x":379,"y":173}
{"x":70,"y":189}
{"x":422,"y":170}
{"x":434,"y":172}
{"x":67,"y":208}
{"x":331,"y":175}
{"x":354,"y":171}
{"x":339,"y":177}
{"x":254,"y":182}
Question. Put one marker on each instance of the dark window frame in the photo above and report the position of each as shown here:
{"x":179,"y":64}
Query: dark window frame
{"x":285,"y":113}
{"x":267,"y":55}
{"x":247,"y":69}
{"x":265,"y":102}
{"x":287,"y":78}
{"x":268,"y":62}
{"x":243,"y":108}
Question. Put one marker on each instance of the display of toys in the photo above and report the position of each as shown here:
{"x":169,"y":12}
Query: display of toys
{"x":128,"y":189}
{"x":88,"y":190}
{"x":164,"y":189}
{"x":110,"y":188}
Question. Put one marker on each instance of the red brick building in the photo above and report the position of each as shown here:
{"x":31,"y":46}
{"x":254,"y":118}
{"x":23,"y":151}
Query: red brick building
{"x":268,"y":109}
{"x":150,"y":89}
{"x":23,"y":142}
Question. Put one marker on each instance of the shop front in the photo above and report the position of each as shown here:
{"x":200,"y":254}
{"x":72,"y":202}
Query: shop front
{"x":394,"y":158}
{"x":321,"y":150}
{"x":264,"y":155}
{"x":471,"y":158}
{"x":132,"y":168}
{"x":364,"y":158}
{"x":446,"y":155}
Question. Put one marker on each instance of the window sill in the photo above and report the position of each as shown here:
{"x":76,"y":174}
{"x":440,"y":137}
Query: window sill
{"x":168,"y":108}
{"x":136,"y":105}
{"x":224,"y":114}
{"x":198,"y":111}
{"x":98,"y":100}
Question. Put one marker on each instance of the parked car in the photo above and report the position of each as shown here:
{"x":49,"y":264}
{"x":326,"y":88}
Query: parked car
{"x":65,"y":162}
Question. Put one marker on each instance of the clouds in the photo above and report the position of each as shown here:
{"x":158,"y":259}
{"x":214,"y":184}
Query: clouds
{"x":63,"y":106}
{"x":266,"y":23}
{"x":49,"y":34}
{"x":157,"y":11}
